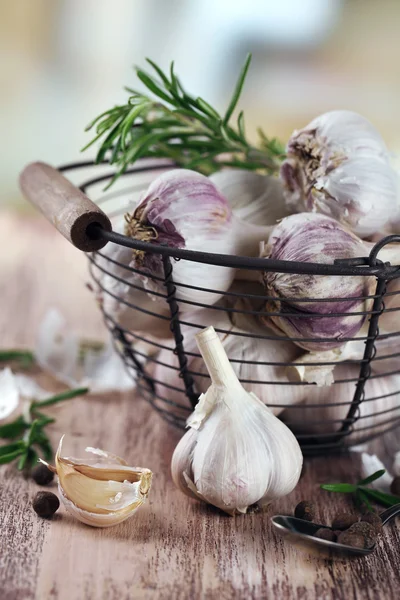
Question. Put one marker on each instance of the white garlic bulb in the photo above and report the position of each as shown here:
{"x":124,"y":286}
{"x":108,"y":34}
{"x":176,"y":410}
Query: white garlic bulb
{"x":236,"y":453}
{"x":100,"y":491}
{"x":253,"y":360}
{"x":338,"y":165}
{"x":315,"y":238}
{"x":324,"y":408}
{"x":184,"y":210}
{"x":254,"y":198}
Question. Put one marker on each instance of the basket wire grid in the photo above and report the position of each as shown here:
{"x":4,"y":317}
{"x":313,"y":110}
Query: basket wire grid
{"x":174,"y":402}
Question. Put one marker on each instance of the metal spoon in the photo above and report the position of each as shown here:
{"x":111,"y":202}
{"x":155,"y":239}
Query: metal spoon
{"x":302,"y":531}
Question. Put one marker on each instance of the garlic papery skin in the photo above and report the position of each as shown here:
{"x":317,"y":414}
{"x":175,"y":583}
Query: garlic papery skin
{"x":103,"y":491}
{"x":315,"y":238}
{"x":253,"y":198}
{"x":255,"y":361}
{"x":184,"y":210}
{"x":338,"y":165}
{"x":236,"y":453}
{"x":324,"y":408}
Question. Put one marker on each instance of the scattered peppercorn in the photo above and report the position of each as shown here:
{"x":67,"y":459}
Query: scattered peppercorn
{"x":344,"y":520}
{"x":305,"y":510}
{"x":42,"y":475}
{"x":325,"y":534}
{"x":395,"y":486}
{"x":45,"y":504}
{"x":351,"y":538}
{"x":374,"y":520}
{"x":367,"y":530}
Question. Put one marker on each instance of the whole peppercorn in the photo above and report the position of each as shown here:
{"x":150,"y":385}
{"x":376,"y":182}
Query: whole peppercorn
{"x":374,"y":520}
{"x":351,"y":538}
{"x":42,"y":475}
{"x":45,"y":504}
{"x":344,"y":520}
{"x":395,"y":486}
{"x":367,"y":530}
{"x":305,"y":510}
{"x":325,"y":534}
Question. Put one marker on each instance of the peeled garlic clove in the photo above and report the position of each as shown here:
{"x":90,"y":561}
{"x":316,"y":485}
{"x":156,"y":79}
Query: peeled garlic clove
{"x":101,"y":493}
{"x":338,"y":165}
{"x":315,"y":238}
{"x":254,"y":198}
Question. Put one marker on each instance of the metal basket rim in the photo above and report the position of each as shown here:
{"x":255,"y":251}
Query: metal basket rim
{"x":361,"y":267}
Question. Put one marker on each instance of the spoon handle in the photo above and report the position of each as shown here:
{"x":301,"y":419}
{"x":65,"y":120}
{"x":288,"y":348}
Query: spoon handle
{"x":388,"y":514}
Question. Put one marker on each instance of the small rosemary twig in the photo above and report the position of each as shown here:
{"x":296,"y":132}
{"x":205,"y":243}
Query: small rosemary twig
{"x":27,"y":432}
{"x":180,"y":127}
{"x":364,"y":494}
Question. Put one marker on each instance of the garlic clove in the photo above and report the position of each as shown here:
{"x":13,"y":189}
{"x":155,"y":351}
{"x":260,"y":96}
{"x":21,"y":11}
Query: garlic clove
{"x":103,"y":493}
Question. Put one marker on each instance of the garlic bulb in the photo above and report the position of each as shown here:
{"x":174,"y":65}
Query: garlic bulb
{"x":338,"y":165}
{"x":308,"y":237}
{"x":324,"y":408}
{"x":253,"y":360}
{"x":237,"y":453}
{"x":254,"y":198}
{"x":183,"y":209}
{"x":122,"y":295}
{"x":102,"y":490}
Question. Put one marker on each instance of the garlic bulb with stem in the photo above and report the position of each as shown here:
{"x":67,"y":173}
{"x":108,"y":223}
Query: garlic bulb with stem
{"x":324,"y":408}
{"x":253,"y":198}
{"x":255,"y":360}
{"x":102,"y":490}
{"x":338,"y":165}
{"x":236,"y":453}
{"x":184,"y":209}
{"x":315,"y":309}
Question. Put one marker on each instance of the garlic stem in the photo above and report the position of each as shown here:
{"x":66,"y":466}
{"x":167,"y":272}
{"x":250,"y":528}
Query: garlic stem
{"x":215,"y":358}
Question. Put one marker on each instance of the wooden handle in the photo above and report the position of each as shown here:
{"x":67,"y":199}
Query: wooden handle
{"x":63,"y":204}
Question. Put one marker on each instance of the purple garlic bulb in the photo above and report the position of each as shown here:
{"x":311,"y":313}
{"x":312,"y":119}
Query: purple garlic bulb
{"x":338,"y":165}
{"x":307,"y":237}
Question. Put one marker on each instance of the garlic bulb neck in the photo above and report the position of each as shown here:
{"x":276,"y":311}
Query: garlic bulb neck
{"x":215,"y":358}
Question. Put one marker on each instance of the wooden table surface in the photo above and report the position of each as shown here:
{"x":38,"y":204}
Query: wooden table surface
{"x":174,"y":547}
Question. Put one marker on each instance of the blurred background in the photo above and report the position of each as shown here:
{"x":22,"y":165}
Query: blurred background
{"x":64,"y":61}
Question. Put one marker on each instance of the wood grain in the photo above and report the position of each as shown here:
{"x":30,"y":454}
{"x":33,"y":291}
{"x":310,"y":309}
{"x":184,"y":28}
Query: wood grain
{"x":174,"y":548}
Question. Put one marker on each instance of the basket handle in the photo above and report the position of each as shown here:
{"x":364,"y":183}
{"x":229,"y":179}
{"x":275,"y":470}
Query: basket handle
{"x":64,"y":205}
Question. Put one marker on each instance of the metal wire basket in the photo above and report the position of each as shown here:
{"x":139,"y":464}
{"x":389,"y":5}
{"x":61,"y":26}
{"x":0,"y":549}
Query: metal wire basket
{"x":352,"y":410}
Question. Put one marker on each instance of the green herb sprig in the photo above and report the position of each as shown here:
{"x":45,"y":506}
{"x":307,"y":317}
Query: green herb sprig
{"x":363,"y":494}
{"x":183,"y":128}
{"x":27,"y":432}
{"x":24,"y":358}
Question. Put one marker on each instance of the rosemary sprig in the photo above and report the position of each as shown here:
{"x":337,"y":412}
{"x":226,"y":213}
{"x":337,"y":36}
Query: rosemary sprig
{"x":27,"y":432}
{"x":183,"y":128}
{"x":25,"y":358}
{"x":364,"y":494}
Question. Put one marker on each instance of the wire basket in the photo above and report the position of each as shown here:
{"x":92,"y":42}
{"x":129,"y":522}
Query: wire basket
{"x":362,"y":402}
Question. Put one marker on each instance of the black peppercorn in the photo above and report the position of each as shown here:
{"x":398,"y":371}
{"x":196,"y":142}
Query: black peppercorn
{"x":42,"y":475}
{"x":351,"y":538}
{"x":395,"y":486}
{"x":325,"y":534}
{"x":305,"y":510}
{"x":367,"y":530}
{"x":374,"y":520}
{"x":45,"y":504}
{"x":344,"y":520}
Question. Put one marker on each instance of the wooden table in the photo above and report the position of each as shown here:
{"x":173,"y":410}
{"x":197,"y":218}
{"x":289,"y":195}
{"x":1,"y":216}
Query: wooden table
{"x":174,"y":548}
